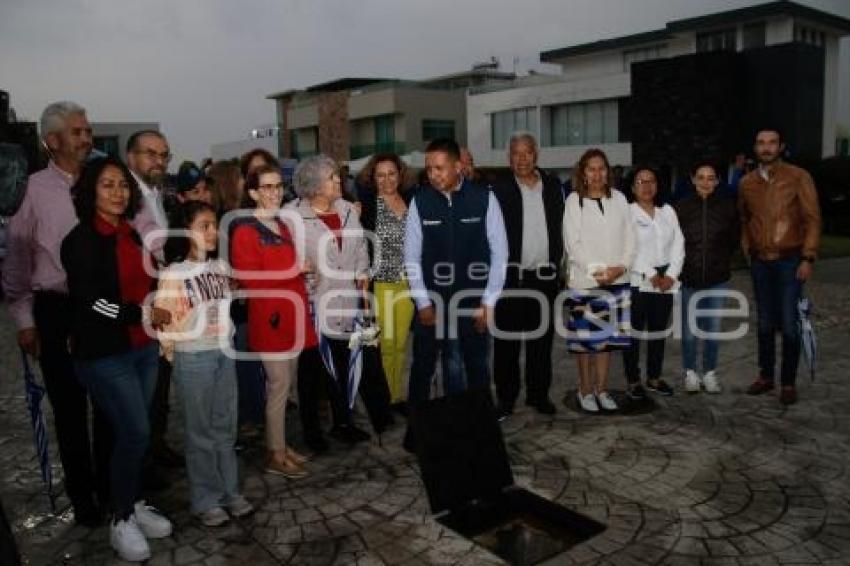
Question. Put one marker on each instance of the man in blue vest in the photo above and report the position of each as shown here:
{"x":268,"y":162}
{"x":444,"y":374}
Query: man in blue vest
{"x":455,"y":254}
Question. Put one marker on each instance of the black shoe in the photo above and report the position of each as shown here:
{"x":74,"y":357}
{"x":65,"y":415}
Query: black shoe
{"x":659,"y":387}
{"x":87,"y":514}
{"x":317,"y":444}
{"x":636,"y":392}
{"x":545,"y":407}
{"x":503,"y":411}
{"x":164,"y":456}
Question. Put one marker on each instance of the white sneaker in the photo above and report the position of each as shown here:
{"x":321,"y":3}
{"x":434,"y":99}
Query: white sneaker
{"x":152,"y":522}
{"x":587,"y":403}
{"x":213,"y":517}
{"x":128,"y":540}
{"x":709,"y":381}
{"x":692,"y":384}
{"x":240,"y":507}
{"x":606,"y":402}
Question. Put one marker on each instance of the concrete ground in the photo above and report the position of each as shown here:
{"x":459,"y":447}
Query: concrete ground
{"x":711,"y":480}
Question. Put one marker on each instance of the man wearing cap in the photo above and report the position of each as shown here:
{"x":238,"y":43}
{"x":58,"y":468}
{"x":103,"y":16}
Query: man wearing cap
{"x":192,"y":185}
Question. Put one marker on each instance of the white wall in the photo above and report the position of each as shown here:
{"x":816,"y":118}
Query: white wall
{"x":479,"y":107}
{"x":229,"y":150}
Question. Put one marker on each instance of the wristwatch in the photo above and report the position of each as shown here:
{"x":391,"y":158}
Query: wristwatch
{"x":809,"y":258}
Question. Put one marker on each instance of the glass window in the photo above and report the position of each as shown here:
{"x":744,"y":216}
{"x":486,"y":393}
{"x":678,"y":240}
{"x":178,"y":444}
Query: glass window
{"x":753,"y":36}
{"x":593,"y":123}
{"x":582,"y":123}
{"x":719,"y":40}
{"x":107,"y":144}
{"x":611,"y":121}
{"x":642,"y":54}
{"x":505,"y":123}
{"x":385,"y":130}
{"x":433,"y":129}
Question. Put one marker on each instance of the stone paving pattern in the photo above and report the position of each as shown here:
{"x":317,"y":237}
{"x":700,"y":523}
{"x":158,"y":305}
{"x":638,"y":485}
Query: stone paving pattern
{"x":708,"y":480}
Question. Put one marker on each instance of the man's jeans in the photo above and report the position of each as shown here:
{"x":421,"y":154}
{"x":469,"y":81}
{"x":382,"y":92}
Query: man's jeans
{"x":707,"y":324}
{"x":777,"y":291}
{"x":122,"y":386}
{"x":206,"y":386}
{"x":464,"y":360}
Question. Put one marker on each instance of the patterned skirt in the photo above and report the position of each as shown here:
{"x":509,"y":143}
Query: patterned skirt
{"x":599,"y":319}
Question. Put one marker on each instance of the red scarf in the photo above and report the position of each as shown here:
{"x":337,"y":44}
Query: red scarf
{"x":133,"y":280}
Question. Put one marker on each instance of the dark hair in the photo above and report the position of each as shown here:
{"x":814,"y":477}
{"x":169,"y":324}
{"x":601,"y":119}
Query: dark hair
{"x":633,"y":179}
{"x":706,"y":162}
{"x":768,"y":128}
{"x":84,"y":191}
{"x":225,"y":178}
{"x":579,"y":185}
{"x":366,"y":177}
{"x":133,"y":140}
{"x":252,"y":182}
{"x":246,"y":159}
{"x":178,"y":246}
{"x":446,"y":145}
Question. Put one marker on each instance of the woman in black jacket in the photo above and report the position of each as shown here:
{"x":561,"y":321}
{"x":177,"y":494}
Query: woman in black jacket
{"x":115,"y":357}
{"x":712,"y":231}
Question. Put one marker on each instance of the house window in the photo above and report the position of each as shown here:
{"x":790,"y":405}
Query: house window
{"x":753,"y":36}
{"x":304,"y":142}
{"x":718,"y":40}
{"x":805,"y":34}
{"x":582,"y":123}
{"x":505,"y":123}
{"x":642,"y":54}
{"x":434,"y":129}
{"x":107,"y":144}
{"x":385,"y":133}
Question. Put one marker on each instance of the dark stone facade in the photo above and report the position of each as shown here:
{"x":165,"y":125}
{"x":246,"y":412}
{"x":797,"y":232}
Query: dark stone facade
{"x":708,"y":105}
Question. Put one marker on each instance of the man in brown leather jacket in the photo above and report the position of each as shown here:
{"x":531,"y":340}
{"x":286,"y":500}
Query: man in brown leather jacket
{"x":781,"y":223}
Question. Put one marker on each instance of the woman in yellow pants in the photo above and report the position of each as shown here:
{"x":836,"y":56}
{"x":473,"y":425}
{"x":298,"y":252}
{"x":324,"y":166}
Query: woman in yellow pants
{"x":384,"y":213}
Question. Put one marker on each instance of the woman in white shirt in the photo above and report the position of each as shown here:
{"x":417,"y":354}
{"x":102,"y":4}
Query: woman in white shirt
{"x":600,"y":242}
{"x":654,"y":280}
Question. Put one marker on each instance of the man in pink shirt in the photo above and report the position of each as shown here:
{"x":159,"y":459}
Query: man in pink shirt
{"x":36,"y":290}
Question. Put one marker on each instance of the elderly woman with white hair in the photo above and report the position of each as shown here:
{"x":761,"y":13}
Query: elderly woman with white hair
{"x":335,"y":247}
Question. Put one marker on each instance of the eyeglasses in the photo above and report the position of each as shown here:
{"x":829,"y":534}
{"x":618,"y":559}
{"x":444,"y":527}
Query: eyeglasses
{"x":382,"y":176}
{"x":269,"y":188}
{"x":646,"y":182}
{"x":154,"y":155}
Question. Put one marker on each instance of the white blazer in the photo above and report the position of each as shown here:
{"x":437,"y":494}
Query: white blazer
{"x":595,"y":239}
{"x":659,"y":242}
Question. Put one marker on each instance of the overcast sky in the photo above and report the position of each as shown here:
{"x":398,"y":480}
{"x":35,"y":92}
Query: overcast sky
{"x":202,"y":68}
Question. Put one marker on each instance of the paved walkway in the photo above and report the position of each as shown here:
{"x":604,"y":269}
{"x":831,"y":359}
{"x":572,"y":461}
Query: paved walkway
{"x":720,"y":480}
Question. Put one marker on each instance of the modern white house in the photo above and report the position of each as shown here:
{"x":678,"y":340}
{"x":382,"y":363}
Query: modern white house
{"x":263,"y":137}
{"x":632,"y":96}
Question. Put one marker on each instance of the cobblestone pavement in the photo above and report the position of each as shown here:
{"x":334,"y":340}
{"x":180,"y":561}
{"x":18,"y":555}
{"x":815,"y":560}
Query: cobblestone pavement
{"x":720,"y":480}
